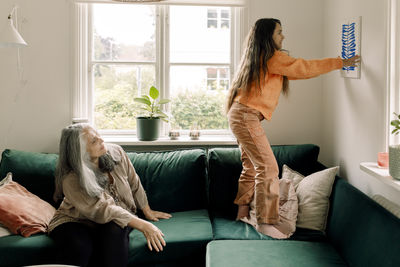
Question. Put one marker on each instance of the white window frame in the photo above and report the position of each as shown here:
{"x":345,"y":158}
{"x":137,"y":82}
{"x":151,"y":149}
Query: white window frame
{"x":393,"y":70}
{"x":217,"y":79}
{"x":218,"y":19}
{"x":82,"y":87}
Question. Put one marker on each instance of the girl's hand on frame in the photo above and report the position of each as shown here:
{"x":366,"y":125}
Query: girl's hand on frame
{"x":351,"y":62}
{"x":153,"y":215}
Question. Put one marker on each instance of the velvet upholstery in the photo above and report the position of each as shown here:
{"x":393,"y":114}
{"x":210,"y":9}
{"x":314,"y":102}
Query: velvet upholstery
{"x":198,"y":188}
{"x":363,"y":232}
{"x":272,"y":253}
{"x":173,"y":180}
{"x":224,"y":168}
{"x":32,"y":170}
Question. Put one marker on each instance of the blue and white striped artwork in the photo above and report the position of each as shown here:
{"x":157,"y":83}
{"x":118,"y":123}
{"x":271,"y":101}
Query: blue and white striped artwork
{"x":350,"y":43}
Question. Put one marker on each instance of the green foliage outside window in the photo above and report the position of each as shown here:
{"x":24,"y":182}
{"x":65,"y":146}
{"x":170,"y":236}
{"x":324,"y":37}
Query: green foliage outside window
{"x":205,"y":109}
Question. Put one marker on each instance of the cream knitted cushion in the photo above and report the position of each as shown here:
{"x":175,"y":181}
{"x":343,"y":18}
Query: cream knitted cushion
{"x":313,"y":194}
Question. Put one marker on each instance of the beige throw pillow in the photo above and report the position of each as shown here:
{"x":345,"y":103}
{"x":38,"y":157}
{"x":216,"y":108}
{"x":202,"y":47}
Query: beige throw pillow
{"x":313,"y":194}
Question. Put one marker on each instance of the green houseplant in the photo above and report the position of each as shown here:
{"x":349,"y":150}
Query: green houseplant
{"x":394,"y":150}
{"x":148,"y":124}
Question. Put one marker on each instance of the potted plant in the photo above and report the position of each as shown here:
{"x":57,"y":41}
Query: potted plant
{"x":394,"y":150}
{"x":148,"y":124}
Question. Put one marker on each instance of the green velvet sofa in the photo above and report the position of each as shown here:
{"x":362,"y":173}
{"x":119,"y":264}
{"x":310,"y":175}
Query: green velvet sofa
{"x":198,"y":187}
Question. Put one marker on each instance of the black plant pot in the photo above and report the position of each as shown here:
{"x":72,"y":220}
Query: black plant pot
{"x":148,"y":129}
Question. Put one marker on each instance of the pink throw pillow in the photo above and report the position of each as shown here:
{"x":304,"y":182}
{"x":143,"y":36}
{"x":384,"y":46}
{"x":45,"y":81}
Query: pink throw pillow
{"x":21,"y":211}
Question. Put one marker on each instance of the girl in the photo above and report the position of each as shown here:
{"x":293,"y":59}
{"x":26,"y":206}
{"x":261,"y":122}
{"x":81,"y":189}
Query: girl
{"x":263,"y":74}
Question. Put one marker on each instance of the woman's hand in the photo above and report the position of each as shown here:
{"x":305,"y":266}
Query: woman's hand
{"x":153,"y":235}
{"x":153,"y":215}
{"x":351,"y":62}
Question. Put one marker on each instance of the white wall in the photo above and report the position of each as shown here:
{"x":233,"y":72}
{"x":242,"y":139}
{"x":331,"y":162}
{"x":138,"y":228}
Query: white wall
{"x":297,"y":118}
{"x":353,"y":109}
{"x":33,"y":114}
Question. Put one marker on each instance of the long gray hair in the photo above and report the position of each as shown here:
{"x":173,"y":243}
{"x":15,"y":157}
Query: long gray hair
{"x":73,"y":157}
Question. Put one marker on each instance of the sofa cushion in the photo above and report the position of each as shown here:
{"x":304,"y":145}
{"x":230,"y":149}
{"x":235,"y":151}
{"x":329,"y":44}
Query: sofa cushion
{"x":225,"y":165}
{"x":16,"y":250}
{"x":34,"y":171}
{"x":271,"y":253}
{"x":174,"y":180}
{"x":226,"y":228}
{"x":362,"y":231}
{"x":313,"y":192}
{"x":21,"y":211}
{"x":186,"y":234}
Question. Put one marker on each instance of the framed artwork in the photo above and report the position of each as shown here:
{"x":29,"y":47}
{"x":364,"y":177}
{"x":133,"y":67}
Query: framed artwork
{"x":351,"y":45}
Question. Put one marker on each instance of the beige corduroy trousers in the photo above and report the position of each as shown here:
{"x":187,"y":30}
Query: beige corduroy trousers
{"x":259,"y":178}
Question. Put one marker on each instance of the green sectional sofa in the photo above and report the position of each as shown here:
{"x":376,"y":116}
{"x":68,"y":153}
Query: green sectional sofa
{"x":198,"y":187}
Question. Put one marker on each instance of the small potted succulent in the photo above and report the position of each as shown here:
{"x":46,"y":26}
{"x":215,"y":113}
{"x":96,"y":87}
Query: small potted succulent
{"x":394,"y":150}
{"x":148,"y":124}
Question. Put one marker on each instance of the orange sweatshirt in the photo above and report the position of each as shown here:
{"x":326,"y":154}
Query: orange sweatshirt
{"x":279,"y":65}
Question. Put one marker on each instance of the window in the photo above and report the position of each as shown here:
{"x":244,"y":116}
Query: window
{"x":217,"y":78}
{"x":124,"y":49}
{"x":218,"y":18}
{"x":122,"y":62}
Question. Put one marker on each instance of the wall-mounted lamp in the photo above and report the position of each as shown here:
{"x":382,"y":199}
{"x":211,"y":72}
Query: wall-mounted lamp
{"x":9,"y":36}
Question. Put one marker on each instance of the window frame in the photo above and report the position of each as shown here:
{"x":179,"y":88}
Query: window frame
{"x":82,"y":62}
{"x":393,"y":71}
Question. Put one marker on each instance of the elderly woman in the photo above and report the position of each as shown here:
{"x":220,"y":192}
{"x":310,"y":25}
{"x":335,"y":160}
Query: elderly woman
{"x":100,"y":194}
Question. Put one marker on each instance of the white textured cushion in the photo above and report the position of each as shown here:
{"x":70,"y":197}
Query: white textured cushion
{"x":313,"y":194}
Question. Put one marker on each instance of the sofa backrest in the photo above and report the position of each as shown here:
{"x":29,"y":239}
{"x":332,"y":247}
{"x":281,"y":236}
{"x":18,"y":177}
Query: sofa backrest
{"x":362,"y":231}
{"x":34,"y":171}
{"x":173,"y":180}
{"x":224,"y":168}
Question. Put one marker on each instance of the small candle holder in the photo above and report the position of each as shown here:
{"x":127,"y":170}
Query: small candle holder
{"x":194,"y":134}
{"x":383,"y":160}
{"x":174,"y":134}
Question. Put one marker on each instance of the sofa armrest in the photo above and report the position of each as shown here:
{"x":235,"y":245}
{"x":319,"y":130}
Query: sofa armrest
{"x":363,"y":232}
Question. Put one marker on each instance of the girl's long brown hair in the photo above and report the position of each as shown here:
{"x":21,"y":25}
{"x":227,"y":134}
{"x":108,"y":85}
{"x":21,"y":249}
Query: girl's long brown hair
{"x":260,"y":47}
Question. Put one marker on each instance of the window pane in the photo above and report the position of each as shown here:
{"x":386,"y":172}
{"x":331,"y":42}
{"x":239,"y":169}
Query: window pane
{"x":225,"y":13}
{"x":223,"y":73}
{"x":114,"y":90}
{"x":212,"y":13}
{"x":212,"y":24}
{"x":192,"y":103}
{"x":225,"y":24}
{"x":211,"y":73}
{"x":124,"y":32}
{"x":224,"y":84}
{"x":192,"y":41}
